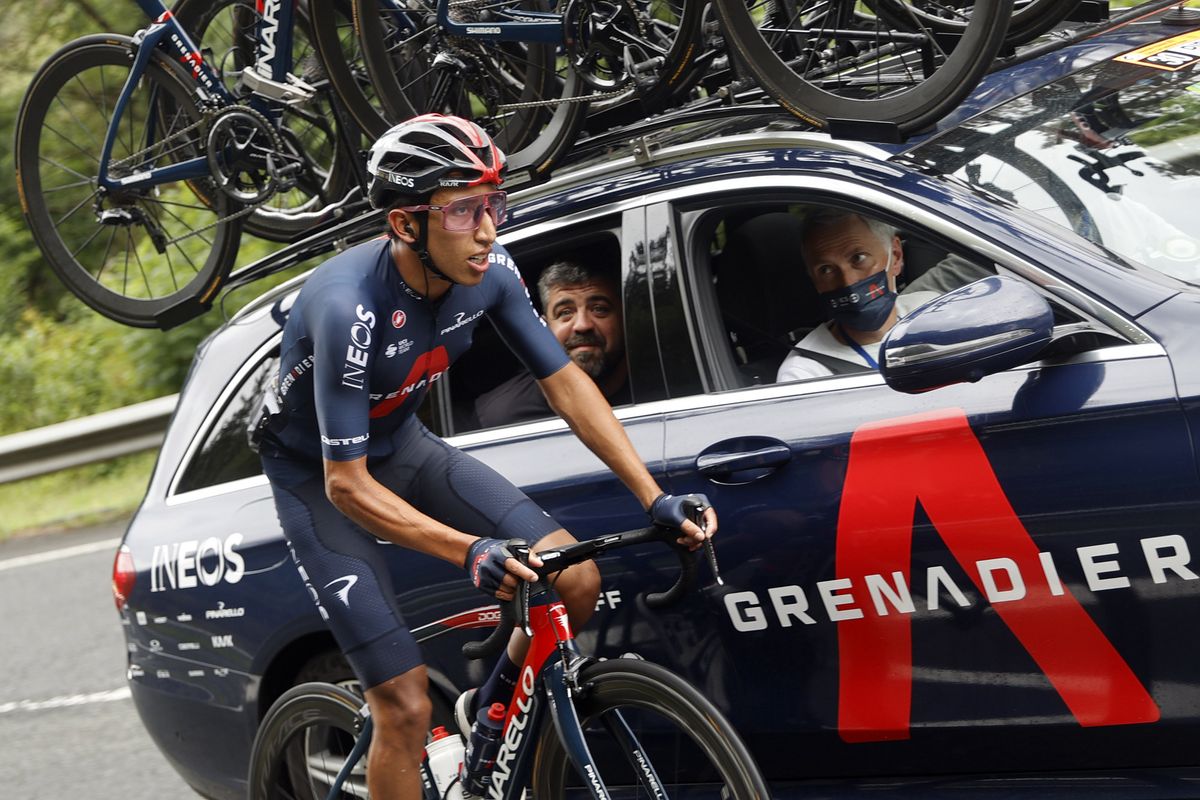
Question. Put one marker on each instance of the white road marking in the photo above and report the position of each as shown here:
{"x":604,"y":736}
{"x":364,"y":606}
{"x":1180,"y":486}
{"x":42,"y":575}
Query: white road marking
{"x":66,"y":701}
{"x":55,"y":555}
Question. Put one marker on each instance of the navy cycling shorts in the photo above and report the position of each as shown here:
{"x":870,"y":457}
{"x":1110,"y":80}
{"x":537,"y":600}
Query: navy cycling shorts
{"x":344,"y":566}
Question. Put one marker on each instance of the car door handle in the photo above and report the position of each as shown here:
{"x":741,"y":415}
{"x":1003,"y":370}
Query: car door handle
{"x":722,"y":465}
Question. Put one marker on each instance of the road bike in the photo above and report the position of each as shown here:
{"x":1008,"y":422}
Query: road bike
{"x":620,"y":727}
{"x":198,"y":140}
{"x":526,"y":72}
{"x":139,"y":160}
{"x":883,"y":69}
{"x":854,"y":73}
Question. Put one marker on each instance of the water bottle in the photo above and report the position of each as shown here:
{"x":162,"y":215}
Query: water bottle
{"x":444,"y":754}
{"x":482,"y":749}
{"x":429,"y":790}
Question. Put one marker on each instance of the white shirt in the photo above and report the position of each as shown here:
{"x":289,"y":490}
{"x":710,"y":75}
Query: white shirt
{"x":797,"y":367}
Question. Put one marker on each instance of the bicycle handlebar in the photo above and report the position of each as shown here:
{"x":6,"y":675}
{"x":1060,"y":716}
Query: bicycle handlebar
{"x":516,"y":611}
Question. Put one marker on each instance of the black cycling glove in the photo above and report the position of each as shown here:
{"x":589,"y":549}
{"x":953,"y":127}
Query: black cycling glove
{"x":485,"y":564}
{"x":670,"y":510}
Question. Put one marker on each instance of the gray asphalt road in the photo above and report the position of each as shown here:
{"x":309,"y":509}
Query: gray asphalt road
{"x":68,"y":726}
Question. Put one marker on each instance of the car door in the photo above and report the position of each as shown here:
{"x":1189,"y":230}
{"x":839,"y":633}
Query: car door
{"x":544,"y":457}
{"x":987,"y":577}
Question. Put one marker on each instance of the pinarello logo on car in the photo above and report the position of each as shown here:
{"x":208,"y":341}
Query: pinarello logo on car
{"x":399,"y":318}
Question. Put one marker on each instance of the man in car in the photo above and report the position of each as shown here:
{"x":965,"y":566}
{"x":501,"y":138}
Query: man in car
{"x":582,"y":307}
{"x":854,"y":263}
{"x":349,"y":462}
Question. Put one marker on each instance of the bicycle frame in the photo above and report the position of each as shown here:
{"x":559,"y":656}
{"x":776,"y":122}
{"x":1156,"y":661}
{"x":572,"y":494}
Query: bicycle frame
{"x":540,"y":27}
{"x":544,"y":687}
{"x":274,"y":48}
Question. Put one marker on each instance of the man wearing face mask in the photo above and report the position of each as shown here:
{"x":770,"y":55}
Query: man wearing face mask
{"x":853,"y":263}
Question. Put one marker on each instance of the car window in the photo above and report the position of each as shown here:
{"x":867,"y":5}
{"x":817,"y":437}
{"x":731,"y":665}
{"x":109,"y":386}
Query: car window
{"x":224,"y":455}
{"x":763,"y":298}
{"x":489,"y":386}
{"x":1110,"y":152}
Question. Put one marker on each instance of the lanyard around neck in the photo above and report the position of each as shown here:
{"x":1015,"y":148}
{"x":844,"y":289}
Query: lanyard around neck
{"x":858,"y":348}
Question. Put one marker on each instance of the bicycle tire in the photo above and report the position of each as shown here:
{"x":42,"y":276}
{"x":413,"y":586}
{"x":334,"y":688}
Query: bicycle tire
{"x":68,"y":103}
{"x":534,"y":137}
{"x":302,"y":743}
{"x":1029,"y":20}
{"x":842,"y":90}
{"x":685,"y":737}
{"x":311,"y":128}
{"x":337,"y":44}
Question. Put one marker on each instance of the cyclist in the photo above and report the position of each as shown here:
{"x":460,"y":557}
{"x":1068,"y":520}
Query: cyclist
{"x":349,"y":462}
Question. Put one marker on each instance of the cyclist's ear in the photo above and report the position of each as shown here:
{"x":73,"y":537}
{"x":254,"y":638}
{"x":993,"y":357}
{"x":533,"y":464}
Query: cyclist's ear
{"x":401,"y":224}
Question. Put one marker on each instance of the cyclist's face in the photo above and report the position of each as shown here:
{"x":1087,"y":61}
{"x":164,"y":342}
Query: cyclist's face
{"x":462,"y":255}
{"x":586,"y":320}
{"x":847,"y":251}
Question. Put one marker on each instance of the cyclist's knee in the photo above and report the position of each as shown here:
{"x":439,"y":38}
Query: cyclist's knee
{"x":401,"y":706}
{"x":579,"y":586}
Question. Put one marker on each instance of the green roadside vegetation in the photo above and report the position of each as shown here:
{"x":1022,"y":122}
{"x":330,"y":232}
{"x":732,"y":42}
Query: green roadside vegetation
{"x":59,"y":360}
{"x":73,"y":498}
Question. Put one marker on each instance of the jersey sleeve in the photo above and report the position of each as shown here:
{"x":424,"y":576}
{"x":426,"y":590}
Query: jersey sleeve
{"x":522,"y":328}
{"x":342,"y":326}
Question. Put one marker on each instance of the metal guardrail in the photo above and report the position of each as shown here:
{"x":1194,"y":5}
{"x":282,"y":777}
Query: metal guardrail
{"x":76,"y":442}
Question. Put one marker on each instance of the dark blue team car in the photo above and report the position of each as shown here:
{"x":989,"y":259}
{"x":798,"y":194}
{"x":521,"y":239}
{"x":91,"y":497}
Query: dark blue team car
{"x":991,"y":586}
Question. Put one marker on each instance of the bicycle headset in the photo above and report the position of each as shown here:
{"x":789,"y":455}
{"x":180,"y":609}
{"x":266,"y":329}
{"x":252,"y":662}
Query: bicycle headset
{"x":415,"y":158}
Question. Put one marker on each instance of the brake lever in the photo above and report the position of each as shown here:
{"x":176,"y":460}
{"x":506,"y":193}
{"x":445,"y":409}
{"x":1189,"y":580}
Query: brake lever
{"x":696,"y":512}
{"x":520,"y":551}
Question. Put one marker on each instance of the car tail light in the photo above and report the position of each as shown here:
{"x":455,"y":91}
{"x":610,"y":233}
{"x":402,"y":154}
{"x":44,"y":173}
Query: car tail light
{"x":123,"y":577}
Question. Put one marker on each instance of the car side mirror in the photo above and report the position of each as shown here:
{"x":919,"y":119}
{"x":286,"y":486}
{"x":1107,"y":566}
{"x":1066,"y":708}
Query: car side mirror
{"x":984,"y":327}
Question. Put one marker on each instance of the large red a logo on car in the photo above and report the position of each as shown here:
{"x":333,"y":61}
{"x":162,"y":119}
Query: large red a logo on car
{"x":936,"y":459}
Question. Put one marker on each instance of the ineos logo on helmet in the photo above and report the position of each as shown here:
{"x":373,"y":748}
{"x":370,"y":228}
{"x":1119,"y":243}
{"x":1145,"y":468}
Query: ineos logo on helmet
{"x":429,"y":152}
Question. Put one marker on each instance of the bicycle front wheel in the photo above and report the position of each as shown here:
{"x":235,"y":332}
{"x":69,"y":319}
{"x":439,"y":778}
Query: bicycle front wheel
{"x":304,"y":741}
{"x":822,"y":60}
{"x":638,"y":718}
{"x":131,"y":254}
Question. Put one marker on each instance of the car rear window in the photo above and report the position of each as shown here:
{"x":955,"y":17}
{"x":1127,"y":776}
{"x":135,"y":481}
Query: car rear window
{"x":224,"y":454}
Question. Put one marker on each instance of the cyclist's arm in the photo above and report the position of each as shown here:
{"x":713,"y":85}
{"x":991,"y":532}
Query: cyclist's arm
{"x":574,"y":397}
{"x":374,"y":507}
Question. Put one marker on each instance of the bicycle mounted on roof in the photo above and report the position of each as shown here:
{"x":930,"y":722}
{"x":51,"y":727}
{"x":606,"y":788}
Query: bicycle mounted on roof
{"x":201,"y":138}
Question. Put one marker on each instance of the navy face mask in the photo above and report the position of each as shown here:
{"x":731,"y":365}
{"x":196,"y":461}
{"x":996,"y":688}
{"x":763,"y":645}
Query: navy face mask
{"x":865,"y":305}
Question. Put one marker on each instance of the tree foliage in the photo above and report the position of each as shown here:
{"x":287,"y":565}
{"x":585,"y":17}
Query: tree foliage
{"x":59,"y":359}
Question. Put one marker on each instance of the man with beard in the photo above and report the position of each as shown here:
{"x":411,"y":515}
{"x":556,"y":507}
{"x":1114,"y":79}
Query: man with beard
{"x":581,"y":306}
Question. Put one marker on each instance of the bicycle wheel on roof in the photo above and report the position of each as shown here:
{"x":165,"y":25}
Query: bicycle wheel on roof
{"x":131,"y":249}
{"x":308,"y":131}
{"x":1029,"y":20}
{"x":522,"y":93}
{"x":831,"y":62}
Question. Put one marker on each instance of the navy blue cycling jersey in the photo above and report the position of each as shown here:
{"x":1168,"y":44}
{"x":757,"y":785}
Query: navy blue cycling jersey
{"x":361,"y":348}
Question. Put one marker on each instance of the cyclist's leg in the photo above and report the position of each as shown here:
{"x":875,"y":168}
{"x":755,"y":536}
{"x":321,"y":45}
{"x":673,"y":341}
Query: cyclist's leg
{"x":466,"y":494}
{"x":457,"y":489}
{"x":401,"y":710}
{"x":343,"y":568}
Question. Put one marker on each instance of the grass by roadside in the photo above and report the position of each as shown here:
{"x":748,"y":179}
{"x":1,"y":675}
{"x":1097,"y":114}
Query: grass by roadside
{"x":74,"y":497}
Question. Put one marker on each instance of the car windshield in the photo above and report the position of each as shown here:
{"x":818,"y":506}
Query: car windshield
{"x":1112,"y":152}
